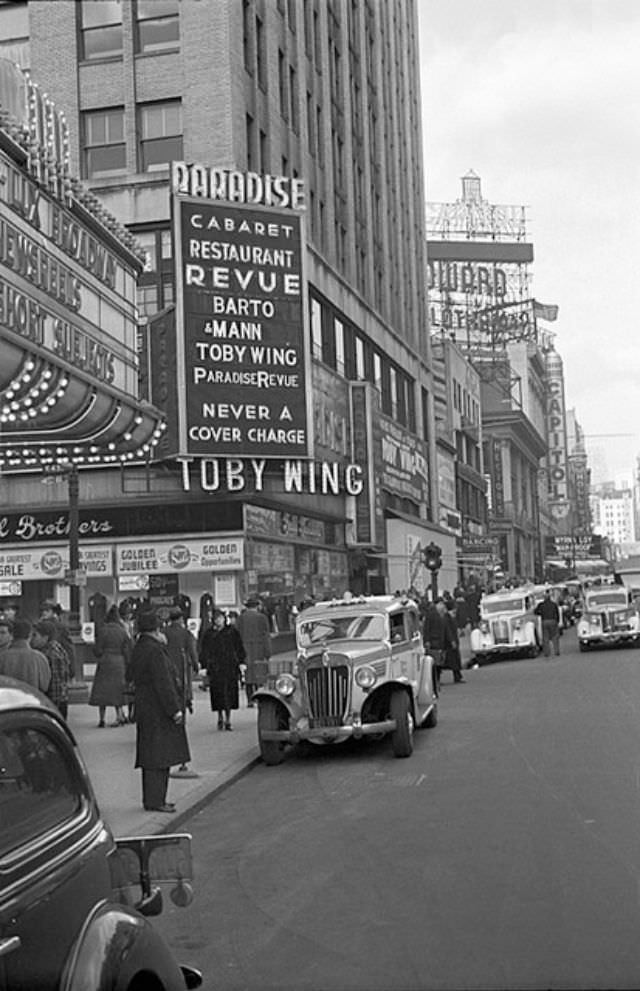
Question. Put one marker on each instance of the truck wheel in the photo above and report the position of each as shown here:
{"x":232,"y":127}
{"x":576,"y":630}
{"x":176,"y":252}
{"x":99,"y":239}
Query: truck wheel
{"x":432,"y":718}
{"x":270,"y":718}
{"x":582,"y":647}
{"x":402,"y":735}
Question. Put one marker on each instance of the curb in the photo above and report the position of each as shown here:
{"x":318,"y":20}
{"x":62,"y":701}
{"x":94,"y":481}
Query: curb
{"x":199,"y":804}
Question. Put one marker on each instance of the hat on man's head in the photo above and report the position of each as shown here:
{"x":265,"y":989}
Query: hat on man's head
{"x":252,"y":603}
{"x":148,"y":621}
{"x":175,"y":612}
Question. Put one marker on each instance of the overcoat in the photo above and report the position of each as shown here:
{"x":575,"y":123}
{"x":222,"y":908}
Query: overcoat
{"x":113,"y":649}
{"x":222,"y":652}
{"x":160,"y":743}
{"x":253,"y":627}
{"x":183,"y":652}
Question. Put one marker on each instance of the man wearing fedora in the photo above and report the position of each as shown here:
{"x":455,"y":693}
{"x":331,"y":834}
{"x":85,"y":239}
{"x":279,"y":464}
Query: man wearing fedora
{"x":253,"y":627}
{"x":161,"y":739}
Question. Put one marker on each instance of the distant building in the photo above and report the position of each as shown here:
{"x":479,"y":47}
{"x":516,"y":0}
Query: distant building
{"x":612,"y":510}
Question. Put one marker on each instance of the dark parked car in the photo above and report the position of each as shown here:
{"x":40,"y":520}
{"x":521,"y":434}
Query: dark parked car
{"x":73,"y":900}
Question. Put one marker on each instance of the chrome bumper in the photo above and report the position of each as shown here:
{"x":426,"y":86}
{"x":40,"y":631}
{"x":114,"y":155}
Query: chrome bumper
{"x":328,"y":733}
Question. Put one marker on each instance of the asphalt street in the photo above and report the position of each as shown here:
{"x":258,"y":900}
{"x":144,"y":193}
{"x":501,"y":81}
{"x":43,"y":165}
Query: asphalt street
{"x":505,"y":853}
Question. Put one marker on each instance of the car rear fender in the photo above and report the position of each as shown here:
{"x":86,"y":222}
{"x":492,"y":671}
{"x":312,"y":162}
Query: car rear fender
{"x":115,"y":947}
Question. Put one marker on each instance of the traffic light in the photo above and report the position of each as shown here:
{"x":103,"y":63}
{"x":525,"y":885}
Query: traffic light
{"x":432,"y":557}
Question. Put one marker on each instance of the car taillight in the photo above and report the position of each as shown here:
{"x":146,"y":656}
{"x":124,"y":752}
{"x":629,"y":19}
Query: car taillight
{"x":517,"y":624}
{"x":484,"y":626}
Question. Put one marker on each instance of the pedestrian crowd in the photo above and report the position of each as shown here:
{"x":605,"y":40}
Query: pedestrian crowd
{"x":145,"y":666}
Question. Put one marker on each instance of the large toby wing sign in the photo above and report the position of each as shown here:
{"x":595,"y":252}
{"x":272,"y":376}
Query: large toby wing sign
{"x":242,"y":361}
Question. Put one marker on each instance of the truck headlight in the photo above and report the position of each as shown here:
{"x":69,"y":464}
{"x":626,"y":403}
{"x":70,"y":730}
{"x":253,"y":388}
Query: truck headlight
{"x":365,"y":677}
{"x":285,"y":684}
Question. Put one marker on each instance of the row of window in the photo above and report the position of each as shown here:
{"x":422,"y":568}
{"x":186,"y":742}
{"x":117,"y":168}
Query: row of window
{"x":104,"y":148}
{"x":156,"y":26}
{"x":465,"y":404}
{"x":340,"y":345}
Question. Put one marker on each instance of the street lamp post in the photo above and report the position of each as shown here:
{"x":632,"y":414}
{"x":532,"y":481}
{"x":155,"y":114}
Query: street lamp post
{"x":74,"y":550}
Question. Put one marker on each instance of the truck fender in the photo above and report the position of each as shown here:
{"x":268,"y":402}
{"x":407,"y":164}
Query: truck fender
{"x":114,"y":946}
{"x":290,"y":704}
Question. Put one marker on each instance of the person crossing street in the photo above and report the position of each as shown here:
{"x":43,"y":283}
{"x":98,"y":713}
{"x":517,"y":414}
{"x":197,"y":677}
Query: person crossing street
{"x":549,"y":614}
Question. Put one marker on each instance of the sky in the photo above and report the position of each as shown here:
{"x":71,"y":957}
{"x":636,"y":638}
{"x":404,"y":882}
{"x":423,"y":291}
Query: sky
{"x":541,"y":98}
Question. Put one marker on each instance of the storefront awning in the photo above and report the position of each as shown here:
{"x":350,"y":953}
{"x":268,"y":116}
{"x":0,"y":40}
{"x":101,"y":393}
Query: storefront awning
{"x":51,"y":414}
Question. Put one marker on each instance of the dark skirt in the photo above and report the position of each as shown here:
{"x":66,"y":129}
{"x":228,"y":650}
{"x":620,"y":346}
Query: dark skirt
{"x":108,"y":681}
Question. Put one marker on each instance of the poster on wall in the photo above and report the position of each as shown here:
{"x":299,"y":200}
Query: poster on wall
{"x":242,"y":361}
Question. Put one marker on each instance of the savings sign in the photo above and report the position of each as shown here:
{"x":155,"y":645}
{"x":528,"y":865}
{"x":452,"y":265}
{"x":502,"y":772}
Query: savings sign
{"x":242,"y":363}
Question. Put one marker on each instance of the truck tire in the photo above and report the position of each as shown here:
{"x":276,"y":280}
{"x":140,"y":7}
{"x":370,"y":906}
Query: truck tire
{"x":270,"y":718}
{"x":402,"y":735}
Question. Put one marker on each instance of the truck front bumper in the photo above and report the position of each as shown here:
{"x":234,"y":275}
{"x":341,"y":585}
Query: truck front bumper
{"x":329,"y":734}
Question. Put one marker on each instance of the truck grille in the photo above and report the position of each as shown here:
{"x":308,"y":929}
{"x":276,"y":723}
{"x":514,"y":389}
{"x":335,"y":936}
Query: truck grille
{"x":328,"y":691}
{"x":501,"y":631}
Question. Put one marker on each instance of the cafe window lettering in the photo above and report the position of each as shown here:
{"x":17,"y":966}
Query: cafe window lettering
{"x":158,"y":25}
{"x":101,"y":29}
{"x":37,"y":787}
{"x":104,"y":149}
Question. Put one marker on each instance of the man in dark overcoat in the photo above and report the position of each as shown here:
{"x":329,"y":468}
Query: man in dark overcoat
{"x":161,"y":739}
{"x":253,"y":627}
{"x":183,"y":652}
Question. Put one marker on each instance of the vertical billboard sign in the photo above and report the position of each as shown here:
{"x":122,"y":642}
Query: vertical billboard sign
{"x":242,"y":360}
{"x":367,"y":448}
{"x":556,"y":438}
{"x":498,"y":479}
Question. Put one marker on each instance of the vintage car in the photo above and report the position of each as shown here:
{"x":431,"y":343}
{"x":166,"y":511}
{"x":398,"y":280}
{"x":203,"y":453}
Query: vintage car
{"x":361,"y":671}
{"x":73,"y":901}
{"x":508,"y":626}
{"x":609,"y":616}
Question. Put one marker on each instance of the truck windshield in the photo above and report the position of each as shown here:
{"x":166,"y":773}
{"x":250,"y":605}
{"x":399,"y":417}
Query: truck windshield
{"x":363,"y":627}
{"x":504,"y":605}
{"x":607,"y":599}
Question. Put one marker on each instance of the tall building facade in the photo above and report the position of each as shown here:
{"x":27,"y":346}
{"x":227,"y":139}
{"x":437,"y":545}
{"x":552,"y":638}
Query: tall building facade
{"x":323,"y":94}
{"x":479,"y":292}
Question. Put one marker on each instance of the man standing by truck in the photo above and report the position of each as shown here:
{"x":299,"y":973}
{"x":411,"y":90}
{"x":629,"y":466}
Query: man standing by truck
{"x":549,"y":613}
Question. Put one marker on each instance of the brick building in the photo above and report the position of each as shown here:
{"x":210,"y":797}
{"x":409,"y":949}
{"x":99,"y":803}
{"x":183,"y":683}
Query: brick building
{"x":324,"y":93}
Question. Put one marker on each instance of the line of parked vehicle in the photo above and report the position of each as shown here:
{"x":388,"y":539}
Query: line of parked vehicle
{"x":604,"y":615}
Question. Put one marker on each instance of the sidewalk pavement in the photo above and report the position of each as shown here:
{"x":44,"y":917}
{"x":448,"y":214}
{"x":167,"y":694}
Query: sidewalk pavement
{"x":218,"y":757}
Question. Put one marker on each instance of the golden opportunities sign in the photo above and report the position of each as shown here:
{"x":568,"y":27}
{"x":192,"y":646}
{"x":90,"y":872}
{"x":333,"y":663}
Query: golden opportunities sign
{"x":242,"y":364}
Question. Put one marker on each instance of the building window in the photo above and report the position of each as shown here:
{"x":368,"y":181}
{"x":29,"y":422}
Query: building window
{"x":293,"y":99}
{"x":360,"y":365}
{"x":250,"y":142}
{"x":338,"y":327}
{"x":282,"y":84}
{"x":247,"y":47}
{"x":104,"y":149}
{"x":101,"y":29}
{"x":261,"y":57}
{"x":158,"y":25}
{"x":161,"y":134}
{"x":316,"y":329}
